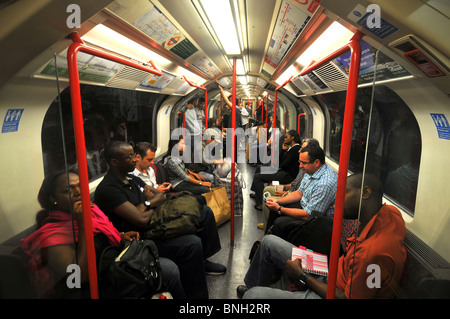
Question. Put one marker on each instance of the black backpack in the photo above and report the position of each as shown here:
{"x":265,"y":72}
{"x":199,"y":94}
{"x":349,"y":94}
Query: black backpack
{"x":134,"y":272}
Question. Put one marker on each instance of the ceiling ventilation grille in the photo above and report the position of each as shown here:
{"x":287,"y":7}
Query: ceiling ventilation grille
{"x":128,"y":78}
{"x":332,"y":76}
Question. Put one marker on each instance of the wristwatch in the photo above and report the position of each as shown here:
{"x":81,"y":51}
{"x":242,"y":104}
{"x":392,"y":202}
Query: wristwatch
{"x":279,"y":209}
{"x":147,"y":204}
{"x":200,"y":183}
{"x":302,"y":279}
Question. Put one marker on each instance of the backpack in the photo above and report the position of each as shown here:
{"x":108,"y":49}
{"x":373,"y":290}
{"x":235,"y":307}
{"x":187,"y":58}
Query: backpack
{"x":179,"y":215}
{"x":134,"y":272}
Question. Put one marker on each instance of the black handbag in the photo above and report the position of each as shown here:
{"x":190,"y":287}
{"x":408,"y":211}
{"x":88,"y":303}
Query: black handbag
{"x":134,"y":272}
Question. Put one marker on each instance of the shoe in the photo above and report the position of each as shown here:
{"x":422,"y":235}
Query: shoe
{"x":252,"y":195}
{"x":241,"y":290}
{"x":214,"y":268}
{"x":258,"y":207}
{"x":260,"y":226}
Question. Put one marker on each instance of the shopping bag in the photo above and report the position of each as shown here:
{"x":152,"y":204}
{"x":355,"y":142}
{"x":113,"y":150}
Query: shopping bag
{"x":219,"y":203}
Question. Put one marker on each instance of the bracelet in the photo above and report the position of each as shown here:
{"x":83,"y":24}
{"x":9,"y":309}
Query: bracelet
{"x":302,"y":280}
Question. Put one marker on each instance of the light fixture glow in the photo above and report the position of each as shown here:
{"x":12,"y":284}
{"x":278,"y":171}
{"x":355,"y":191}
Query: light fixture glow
{"x":221,"y":18}
{"x":240,"y":70}
{"x":111,"y":40}
{"x":243,"y":79}
{"x":334,"y":37}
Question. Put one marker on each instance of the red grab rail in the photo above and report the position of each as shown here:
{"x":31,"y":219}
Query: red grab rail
{"x":77,"y":112}
{"x":355,"y":59}
{"x":206,"y":99}
{"x":233,"y":147}
{"x":298,"y":122}
{"x":275,"y":114}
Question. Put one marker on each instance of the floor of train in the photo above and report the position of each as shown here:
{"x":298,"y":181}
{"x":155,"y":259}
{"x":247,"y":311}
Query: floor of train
{"x":235,"y":257}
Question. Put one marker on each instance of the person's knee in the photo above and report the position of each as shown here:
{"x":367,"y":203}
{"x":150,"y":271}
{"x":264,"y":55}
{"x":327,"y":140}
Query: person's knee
{"x":258,"y":293}
{"x":169,"y":269}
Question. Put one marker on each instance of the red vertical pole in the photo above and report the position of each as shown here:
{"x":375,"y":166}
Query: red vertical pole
{"x":80,"y":144}
{"x":298,"y":122}
{"x":206,"y":109}
{"x":285,"y":120}
{"x":344,"y":157}
{"x":275,"y":113}
{"x":352,"y":87}
{"x":233,"y":146}
{"x":262,"y":109}
{"x":184,"y":125}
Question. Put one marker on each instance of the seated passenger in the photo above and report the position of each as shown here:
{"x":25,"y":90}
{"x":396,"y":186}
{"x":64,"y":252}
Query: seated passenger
{"x":270,"y":192}
{"x":179,"y":176}
{"x":317,"y":192}
{"x":287,"y":171}
{"x":129,"y":203}
{"x":145,"y":154}
{"x":51,"y":247}
{"x":378,"y":241}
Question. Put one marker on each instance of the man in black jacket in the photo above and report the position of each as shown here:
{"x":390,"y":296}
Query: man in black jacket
{"x":287,"y":171}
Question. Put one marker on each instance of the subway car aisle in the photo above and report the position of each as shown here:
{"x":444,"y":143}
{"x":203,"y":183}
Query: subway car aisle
{"x":235,"y":256}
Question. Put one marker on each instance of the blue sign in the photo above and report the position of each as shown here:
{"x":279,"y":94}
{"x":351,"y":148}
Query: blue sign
{"x":442,"y":125}
{"x":385,"y":29}
{"x":11,"y":121}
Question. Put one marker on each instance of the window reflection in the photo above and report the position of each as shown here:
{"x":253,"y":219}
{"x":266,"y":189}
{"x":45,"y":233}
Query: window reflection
{"x":394,"y":141}
{"x":109,"y":114}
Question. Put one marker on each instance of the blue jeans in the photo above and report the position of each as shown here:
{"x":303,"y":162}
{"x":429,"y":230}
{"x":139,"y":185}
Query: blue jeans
{"x":270,"y":258}
{"x":171,"y":278}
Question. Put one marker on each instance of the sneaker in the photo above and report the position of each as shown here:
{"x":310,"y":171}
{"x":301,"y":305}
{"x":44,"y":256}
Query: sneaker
{"x":261,"y":226}
{"x":214,"y":268}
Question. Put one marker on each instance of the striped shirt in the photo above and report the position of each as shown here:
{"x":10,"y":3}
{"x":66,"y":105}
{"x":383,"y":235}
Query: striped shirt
{"x":319,"y":191}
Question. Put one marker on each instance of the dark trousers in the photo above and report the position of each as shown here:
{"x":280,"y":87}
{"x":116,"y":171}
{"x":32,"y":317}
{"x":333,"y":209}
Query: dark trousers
{"x":280,"y":222}
{"x":189,"y":253}
{"x":259,"y":179}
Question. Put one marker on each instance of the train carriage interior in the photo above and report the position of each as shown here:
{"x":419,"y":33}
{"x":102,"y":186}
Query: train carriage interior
{"x":139,"y":63}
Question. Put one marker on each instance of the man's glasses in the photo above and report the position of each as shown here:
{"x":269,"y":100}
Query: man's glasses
{"x":304,"y":163}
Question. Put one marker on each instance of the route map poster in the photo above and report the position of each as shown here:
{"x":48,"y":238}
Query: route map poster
{"x":155,"y":24}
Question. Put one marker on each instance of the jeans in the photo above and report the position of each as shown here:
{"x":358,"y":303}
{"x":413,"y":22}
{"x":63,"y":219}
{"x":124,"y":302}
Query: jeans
{"x":270,"y":258}
{"x":171,"y":278}
{"x":188,"y":252}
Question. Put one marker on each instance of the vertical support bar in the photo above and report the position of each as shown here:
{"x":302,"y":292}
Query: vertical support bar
{"x":184,"y":125}
{"x":80,"y":144}
{"x":233,"y":146}
{"x":285,"y":120}
{"x":262,"y":109}
{"x":298,"y":122}
{"x":355,"y":60}
{"x":206,"y":109}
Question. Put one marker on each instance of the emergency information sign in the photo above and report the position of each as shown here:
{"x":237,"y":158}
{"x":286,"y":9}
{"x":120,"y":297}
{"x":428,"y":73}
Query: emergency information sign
{"x":12,"y":120}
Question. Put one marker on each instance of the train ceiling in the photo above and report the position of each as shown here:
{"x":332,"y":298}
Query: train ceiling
{"x":182,"y":32}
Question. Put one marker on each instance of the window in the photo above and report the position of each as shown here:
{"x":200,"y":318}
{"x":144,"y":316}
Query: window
{"x":109,"y":114}
{"x":394,"y":141}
